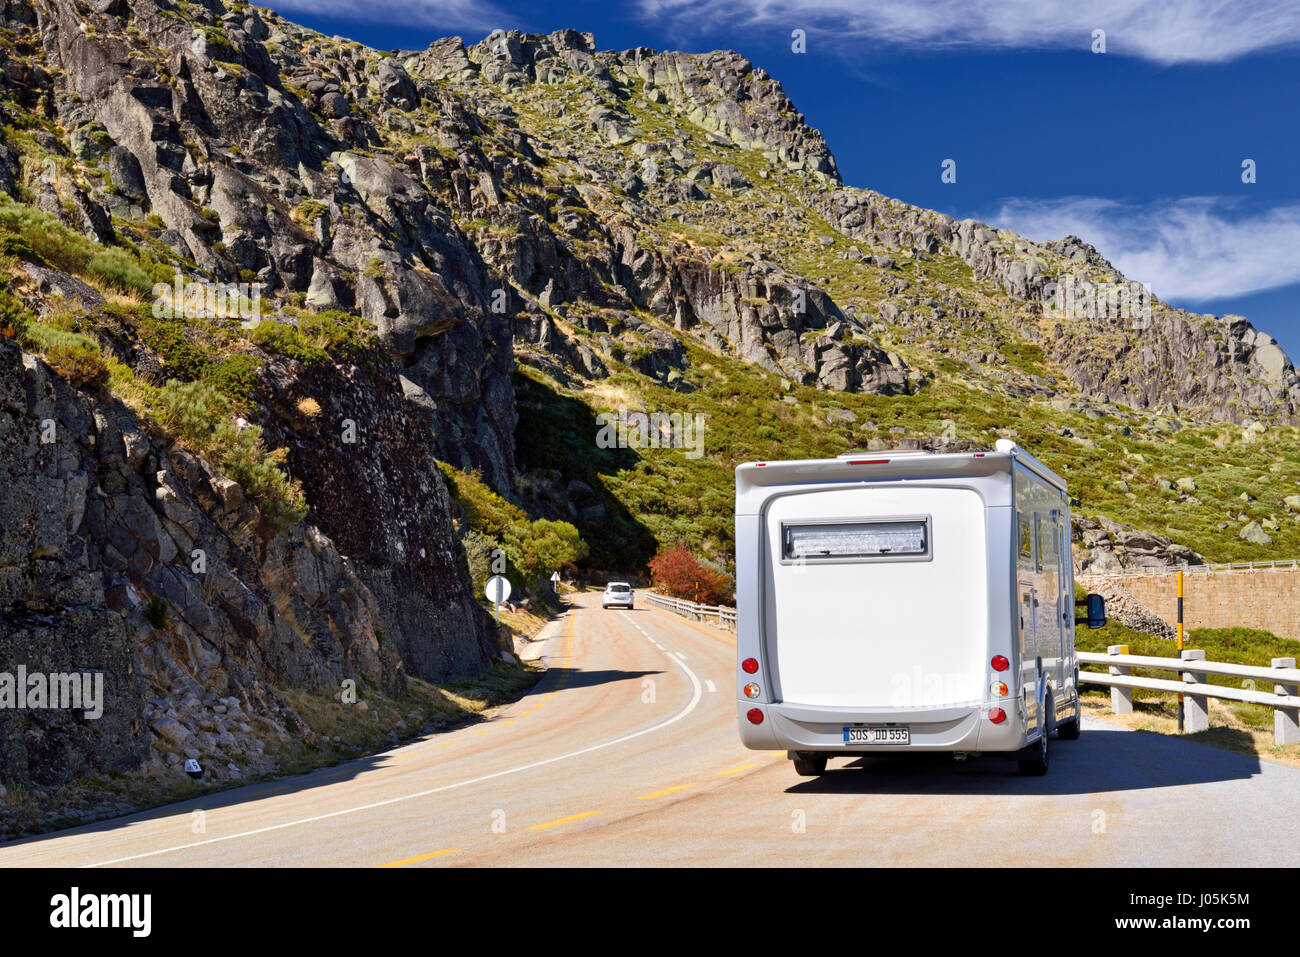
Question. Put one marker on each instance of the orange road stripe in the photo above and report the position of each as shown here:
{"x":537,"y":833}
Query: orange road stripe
{"x":564,"y":820}
{"x":737,"y":769}
{"x":680,"y":787}
{"x":422,"y":857}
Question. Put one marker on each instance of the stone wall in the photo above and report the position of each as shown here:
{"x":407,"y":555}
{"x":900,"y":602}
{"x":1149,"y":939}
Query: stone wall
{"x":1264,"y":598}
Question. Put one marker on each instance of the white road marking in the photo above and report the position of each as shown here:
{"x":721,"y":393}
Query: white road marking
{"x":697,"y":694}
{"x":710,"y":685}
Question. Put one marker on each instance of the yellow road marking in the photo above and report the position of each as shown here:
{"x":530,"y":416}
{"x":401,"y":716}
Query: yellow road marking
{"x":502,"y":724}
{"x":481,"y":733}
{"x":737,"y":769}
{"x":422,"y":857}
{"x":680,"y":787}
{"x":564,"y":820}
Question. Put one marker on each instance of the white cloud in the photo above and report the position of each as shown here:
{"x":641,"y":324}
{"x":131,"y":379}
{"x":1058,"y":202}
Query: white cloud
{"x":1198,"y":249}
{"x":477,"y":15}
{"x":1165,"y":31}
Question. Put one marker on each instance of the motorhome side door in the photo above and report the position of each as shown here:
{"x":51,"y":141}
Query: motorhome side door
{"x":1064,"y":609}
{"x":1028,"y":606}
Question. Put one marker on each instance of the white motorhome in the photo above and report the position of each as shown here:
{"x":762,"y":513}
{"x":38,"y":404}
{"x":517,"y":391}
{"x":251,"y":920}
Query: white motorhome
{"x":906,"y":601}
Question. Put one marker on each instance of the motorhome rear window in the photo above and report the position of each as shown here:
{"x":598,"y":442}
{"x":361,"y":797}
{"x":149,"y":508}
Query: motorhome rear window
{"x":855,"y":541}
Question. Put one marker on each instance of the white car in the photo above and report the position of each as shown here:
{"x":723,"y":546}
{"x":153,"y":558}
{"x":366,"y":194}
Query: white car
{"x":617,"y":594}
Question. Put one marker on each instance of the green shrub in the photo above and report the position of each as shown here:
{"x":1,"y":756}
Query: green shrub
{"x":13,"y":244}
{"x":334,"y":330}
{"x":533,"y":548}
{"x":235,"y":375}
{"x":156,"y":613}
{"x":73,"y":356}
{"x":117,"y":269}
{"x":38,"y":235}
{"x":199,"y":414}
{"x":309,"y":210}
{"x":478,"y":558}
{"x":14,"y":316}
{"x":286,"y":340}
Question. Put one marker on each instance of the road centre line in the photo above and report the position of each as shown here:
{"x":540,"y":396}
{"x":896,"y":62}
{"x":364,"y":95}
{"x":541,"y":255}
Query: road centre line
{"x":422,"y":857}
{"x":680,"y":787}
{"x":564,"y":820}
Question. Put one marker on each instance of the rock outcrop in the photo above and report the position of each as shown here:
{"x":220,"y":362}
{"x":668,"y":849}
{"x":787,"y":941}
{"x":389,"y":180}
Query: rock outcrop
{"x":127,"y":556}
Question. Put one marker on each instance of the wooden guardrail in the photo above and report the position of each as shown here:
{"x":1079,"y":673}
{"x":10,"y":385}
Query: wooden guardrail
{"x":1192,"y":666}
{"x":1281,"y":564}
{"x":689,"y":609}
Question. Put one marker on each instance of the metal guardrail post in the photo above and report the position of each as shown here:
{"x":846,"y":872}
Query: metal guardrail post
{"x":1121,"y":699}
{"x":1286,"y":721}
{"x":1197,"y":709}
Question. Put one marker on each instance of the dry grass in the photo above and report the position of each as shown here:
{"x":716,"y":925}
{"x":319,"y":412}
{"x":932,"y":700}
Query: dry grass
{"x":1227,"y":730}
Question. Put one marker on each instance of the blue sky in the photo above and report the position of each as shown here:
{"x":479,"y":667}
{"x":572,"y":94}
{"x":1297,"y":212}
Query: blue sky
{"x":1138,"y":150}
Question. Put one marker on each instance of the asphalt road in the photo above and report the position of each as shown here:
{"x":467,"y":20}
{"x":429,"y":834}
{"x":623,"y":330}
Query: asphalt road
{"x":626,"y":754}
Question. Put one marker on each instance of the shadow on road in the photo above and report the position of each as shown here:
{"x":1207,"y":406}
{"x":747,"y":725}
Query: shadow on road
{"x":1100,"y":761}
{"x":191,"y":828}
{"x":561,"y":677}
{"x":557,"y":678}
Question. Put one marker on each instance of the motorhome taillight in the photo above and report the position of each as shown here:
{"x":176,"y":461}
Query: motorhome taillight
{"x":755,"y":716}
{"x":996,"y":715}
{"x":868,"y":461}
{"x":750,"y":666}
{"x":1000,"y":663}
{"x":999,"y":688}
{"x":752,"y":690}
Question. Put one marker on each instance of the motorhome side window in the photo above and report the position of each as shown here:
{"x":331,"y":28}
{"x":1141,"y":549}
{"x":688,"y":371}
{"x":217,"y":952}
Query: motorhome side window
{"x":855,"y":541}
{"x":1026,"y":541}
{"x":1047,"y":556}
{"x":1038,"y":541}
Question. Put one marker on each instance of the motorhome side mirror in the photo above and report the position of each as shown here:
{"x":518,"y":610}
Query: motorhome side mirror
{"x":1096,"y":611}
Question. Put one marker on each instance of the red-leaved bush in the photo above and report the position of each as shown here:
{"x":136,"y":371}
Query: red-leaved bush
{"x":679,"y":574}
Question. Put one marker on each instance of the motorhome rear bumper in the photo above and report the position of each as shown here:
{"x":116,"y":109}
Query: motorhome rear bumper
{"x":814,"y":728}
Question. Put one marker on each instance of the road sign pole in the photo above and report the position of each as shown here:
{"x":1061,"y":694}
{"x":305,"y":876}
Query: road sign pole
{"x":1180,"y":647}
{"x":497,"y":590}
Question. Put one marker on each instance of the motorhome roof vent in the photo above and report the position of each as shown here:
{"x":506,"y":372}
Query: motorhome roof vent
{"x":892,"y":453}
{"x":1005,"y":445}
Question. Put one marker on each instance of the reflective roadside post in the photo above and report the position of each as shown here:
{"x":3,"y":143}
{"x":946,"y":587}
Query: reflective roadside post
{"x":1180,"y":645}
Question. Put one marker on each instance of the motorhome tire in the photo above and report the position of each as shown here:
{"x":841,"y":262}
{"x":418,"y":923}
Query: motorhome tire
{"x":1069,"y":730}
{"x":809,"y":765}
{"x":1038,"y":763}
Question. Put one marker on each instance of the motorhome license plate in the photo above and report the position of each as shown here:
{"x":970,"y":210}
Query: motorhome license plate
{"x":878,"y":735}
